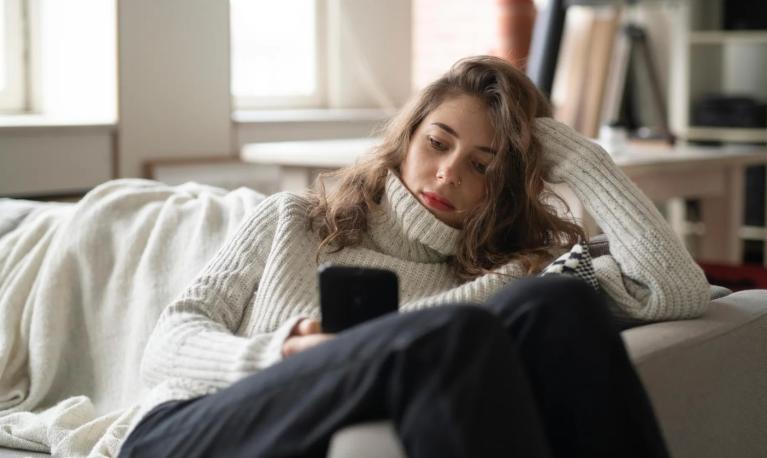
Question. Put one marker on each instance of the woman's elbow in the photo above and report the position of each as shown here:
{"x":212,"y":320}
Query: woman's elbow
{"x":689,"y":294}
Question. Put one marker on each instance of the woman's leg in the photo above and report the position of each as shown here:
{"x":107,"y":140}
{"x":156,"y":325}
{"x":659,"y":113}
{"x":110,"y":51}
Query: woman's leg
{"x":448,"y":378}
{"x":591,"y":399}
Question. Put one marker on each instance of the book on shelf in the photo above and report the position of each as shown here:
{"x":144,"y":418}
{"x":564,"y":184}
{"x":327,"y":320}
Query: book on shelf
{"x":570,"y":74}
{"x":585,"y":66}
{"x":607,"y":75}
{"x":604,"y":29}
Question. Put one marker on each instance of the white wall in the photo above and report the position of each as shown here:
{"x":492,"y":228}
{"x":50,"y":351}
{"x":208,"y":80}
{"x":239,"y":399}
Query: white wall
{"x":173,"y":81}
{"x":53,"y":160}
{"x":369,"y":61}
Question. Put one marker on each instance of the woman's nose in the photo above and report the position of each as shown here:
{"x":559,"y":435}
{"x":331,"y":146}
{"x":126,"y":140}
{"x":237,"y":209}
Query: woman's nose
{"x":449,"y":171}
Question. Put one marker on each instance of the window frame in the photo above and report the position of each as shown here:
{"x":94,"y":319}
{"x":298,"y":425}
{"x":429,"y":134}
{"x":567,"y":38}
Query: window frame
{"x":13,"y":98}
{"x":316,"y":100}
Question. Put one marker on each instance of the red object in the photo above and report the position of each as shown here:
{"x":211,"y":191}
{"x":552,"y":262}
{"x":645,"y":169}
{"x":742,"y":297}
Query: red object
{"x":736,"y":277}
{"x":515,"y":29}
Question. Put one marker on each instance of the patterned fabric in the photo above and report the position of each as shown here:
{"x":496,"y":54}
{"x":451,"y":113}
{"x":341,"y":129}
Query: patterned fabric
{"x":577,"y":263}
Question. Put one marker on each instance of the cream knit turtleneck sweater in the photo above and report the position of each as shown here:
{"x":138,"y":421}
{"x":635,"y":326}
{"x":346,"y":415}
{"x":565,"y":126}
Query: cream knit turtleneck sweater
{"x":233,"y":319}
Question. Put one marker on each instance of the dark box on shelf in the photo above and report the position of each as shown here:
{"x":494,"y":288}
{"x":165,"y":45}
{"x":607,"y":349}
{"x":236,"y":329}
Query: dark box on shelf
{"x":745,"y":14}
{"x":717,"y":110}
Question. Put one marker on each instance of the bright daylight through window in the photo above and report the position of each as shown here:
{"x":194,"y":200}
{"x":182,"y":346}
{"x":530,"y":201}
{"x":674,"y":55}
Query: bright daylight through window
{"x":12,"y":66}
{"x":3,"y":41}
{"x":274,"y":53}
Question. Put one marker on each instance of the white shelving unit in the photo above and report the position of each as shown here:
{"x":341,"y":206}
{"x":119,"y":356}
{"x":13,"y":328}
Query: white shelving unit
{"x":709,"y":60}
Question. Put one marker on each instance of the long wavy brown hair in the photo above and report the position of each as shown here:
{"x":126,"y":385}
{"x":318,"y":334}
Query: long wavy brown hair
{"x":518,"y":221}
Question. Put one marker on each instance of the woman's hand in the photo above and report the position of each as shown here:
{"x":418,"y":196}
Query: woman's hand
{"x":306,"y":333}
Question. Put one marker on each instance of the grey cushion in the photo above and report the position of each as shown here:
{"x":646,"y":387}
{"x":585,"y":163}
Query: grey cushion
{"x":369,"y":440}
{"x":707,"y":377}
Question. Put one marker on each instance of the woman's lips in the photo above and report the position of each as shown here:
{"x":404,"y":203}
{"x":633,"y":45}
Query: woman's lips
{"x":436,"y":201}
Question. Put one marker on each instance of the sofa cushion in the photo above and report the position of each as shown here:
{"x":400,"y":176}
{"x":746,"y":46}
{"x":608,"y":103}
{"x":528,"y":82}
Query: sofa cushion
{"x":372,"y":440}
{"x":707,"y":377}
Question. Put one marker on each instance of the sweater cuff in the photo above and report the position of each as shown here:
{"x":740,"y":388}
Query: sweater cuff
{"x":273,"y":352}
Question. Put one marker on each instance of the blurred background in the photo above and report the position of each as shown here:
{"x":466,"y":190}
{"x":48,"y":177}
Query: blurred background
{"x":265,"y":93}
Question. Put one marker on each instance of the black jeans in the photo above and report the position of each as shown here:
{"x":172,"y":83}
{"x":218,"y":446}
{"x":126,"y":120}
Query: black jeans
{"x":538,"y":371}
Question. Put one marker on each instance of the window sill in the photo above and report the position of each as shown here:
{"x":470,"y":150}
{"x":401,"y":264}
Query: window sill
{"x":26,"y":123}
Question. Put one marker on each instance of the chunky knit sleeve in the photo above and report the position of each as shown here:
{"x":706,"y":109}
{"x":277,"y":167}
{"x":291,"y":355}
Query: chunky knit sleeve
{"x":195,"y":339}
{"x":649,"y":274}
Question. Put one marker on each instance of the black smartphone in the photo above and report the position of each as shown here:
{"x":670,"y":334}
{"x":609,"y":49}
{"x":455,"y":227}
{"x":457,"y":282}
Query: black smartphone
{"x":352,"y":295}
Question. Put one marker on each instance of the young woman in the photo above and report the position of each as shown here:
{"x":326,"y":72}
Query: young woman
{"x":454,"y":202}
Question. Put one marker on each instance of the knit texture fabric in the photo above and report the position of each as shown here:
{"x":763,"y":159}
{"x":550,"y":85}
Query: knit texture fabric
{"x":233,"y":319}
{"x":649,"y":273}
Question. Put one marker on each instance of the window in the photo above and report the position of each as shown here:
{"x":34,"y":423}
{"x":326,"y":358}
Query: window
{"x":58,"y":59}
{"x":276,"y":58}
{"x":12,"y":65}
{"x":76,"y":73}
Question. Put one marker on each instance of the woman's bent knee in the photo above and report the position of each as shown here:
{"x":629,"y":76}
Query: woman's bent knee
{"x":468,"y":326}
{"x":555,"y":298}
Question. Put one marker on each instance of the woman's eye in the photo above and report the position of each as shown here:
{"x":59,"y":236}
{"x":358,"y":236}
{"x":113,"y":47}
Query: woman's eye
{"x":436,"y":144}
{"x":480,"y":167}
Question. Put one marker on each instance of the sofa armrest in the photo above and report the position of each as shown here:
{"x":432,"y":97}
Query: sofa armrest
{"x":707,"y":377}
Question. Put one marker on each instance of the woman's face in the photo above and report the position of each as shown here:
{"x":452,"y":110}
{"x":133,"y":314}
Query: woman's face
{"x":447,"y":158}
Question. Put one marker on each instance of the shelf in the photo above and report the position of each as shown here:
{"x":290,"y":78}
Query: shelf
{"x":753,"y":233}
{"x":727,"y":134}
{"x":720,"y":37}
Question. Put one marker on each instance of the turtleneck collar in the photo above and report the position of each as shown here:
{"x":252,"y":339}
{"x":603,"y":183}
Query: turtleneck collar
{"x":404,"y":228}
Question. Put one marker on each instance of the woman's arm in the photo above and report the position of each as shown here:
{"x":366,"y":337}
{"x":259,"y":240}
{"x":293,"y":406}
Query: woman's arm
{"x":475,"y":291}
{"x":650,"y":274}
{"x":195,"y":339}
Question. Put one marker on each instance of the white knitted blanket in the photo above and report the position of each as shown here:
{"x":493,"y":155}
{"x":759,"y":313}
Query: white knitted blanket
{"x":81,"y":287}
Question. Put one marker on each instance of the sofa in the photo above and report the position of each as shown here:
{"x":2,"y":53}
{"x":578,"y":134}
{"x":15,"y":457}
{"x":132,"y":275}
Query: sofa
{"x":707,"y":379}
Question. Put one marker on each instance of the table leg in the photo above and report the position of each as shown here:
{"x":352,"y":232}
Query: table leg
{"x":722,"y":217}
{"x":737,"y":210}
{"x":676,"y":215}
{"x":295,"y":178}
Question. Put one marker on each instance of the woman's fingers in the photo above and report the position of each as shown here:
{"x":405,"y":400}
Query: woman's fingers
{"x":297,"y":344}
{"x":306,"y":334}
{"x":308,"y":326}
{"x":305,"y":327}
